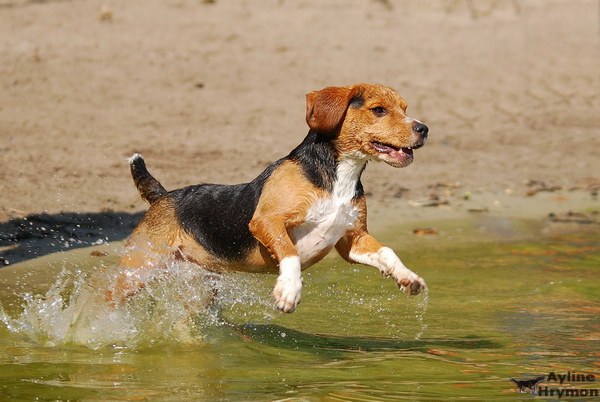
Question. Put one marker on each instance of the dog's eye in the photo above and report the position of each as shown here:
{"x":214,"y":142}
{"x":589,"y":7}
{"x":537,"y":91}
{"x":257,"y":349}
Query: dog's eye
{"x":378,"y":111}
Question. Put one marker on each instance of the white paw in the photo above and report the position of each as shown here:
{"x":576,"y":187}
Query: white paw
{"x":412,"y":284}
{"x":287,"y":293}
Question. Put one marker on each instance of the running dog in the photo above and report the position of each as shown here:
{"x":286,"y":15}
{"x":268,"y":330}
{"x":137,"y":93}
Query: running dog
{"x":295,"y":211}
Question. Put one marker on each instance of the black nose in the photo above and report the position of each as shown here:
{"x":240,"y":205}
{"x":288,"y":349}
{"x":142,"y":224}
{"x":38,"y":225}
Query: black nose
{"x":421,"y":129}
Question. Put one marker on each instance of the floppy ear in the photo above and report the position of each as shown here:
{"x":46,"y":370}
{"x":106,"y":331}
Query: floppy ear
{"x":326,"y":109}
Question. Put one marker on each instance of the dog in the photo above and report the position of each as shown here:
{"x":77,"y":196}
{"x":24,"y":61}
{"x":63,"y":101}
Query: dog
{"x":531,"y":384}
{"x":291,"y":215}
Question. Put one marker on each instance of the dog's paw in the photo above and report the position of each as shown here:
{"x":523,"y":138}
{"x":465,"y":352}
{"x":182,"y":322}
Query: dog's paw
{"x":287,"y":293}
{"x":412,"y":285}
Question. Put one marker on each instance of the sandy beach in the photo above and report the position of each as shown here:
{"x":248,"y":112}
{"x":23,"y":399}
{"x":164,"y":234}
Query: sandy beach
{"x":213,"y":91}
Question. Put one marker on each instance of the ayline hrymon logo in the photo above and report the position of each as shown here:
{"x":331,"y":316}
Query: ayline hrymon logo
{"x":562,"y":379}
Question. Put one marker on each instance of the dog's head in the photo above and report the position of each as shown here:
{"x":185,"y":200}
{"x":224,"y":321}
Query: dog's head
{"x":367,"y":121}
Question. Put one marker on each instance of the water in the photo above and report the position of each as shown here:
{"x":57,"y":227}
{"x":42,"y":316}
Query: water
{"x":499,"y":305}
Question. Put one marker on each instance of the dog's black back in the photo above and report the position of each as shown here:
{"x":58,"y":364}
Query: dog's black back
{"x":217,"y":215}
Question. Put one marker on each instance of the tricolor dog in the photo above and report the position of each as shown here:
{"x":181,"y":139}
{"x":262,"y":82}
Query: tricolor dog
{"x":298,"y":209}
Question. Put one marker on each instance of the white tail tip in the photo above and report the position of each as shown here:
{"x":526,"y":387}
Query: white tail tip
{"x":135,"y":157}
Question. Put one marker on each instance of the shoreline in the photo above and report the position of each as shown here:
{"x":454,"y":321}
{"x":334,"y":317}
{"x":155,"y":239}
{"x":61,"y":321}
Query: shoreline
{"x":37,"y":235}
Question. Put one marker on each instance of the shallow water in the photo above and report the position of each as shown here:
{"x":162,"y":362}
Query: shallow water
{"x":499,"y":305}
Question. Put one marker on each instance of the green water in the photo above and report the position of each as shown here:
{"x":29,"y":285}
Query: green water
{"x":499,"y":305}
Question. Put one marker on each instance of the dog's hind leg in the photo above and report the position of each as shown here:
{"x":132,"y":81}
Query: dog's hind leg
{"x":133,"y":271}
{"x":149,"y":246}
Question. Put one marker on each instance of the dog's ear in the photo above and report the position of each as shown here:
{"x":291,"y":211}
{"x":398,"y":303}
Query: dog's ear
{"x":326,"y":109}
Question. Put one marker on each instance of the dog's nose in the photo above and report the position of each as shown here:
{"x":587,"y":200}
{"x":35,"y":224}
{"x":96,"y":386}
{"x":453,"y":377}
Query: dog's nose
{"x":421,"y":129}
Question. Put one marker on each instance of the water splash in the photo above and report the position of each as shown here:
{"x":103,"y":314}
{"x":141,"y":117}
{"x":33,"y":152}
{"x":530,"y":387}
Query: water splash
{"x":182,"y":303}
{"x":177,"y":303}
{"x":420,"y":309}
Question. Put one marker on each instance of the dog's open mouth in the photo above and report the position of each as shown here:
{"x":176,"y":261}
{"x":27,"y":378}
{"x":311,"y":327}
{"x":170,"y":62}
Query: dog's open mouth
{"x":398,"y":157}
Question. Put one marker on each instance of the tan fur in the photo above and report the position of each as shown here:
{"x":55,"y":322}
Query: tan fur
{"x":358,"y":238}
{"x":326,"y":109}
{"x":286,"y":198}
{"x":360,"y":126}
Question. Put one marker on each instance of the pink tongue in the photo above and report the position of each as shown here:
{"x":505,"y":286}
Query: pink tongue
{"x":391,"y":151}
{"x":383,"y":148}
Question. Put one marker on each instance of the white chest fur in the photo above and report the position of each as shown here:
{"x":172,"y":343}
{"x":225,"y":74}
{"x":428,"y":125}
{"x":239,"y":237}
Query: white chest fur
{"x":331,"y":217}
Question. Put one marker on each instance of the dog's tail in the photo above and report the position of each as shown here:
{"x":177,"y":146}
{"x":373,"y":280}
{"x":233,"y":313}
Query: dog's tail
{"x":149,"y":188}
{"x":515,"y":381}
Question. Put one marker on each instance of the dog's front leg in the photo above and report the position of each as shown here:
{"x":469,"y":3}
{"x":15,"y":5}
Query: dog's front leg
{"x":272,"y":233}
{"x":360,"y":247}
{"x":288,"y":288}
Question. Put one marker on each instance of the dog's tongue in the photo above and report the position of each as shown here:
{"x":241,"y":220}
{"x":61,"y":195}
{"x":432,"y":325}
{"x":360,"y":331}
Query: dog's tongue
{"x":384,"y":149}
{"x":393,"y":152}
